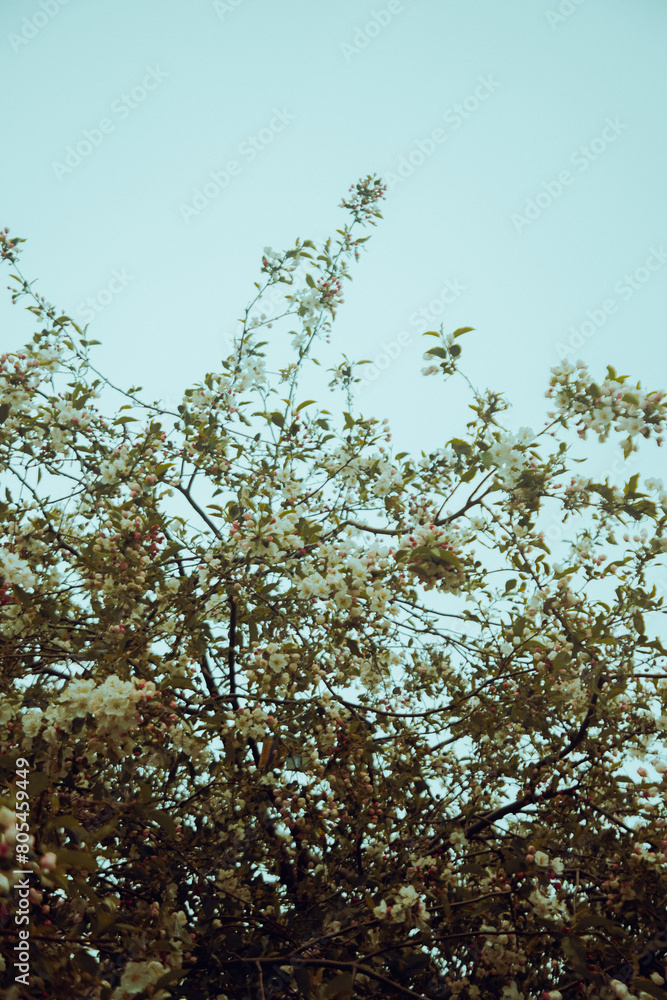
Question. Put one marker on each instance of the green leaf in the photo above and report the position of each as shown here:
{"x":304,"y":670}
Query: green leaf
{"x":163,"y":819}
{"x":592,"y":920}
{"x":438,"y":352}
{"x":37,"y":782}
{"x":4,"y":412}
{"x":103,"y":832}
{"x":307,"y":402}
{"x":87,"y":962}
{"x":277,"y":418}
{"x":638,"y":622}
{"x":648,"y":986}
{"x":303,"y":981}
{"x":78,"y":859}
{"x":445,"y":556}
{"x":70,"y":823}
{"x":417,"y":961}
{"x":461,"y":330}
{"x":340,"y":986}
{"x":125,"y":420}
{"x":349,"y":420}
{"x":170,"y":977}
{"x":574,"y":950}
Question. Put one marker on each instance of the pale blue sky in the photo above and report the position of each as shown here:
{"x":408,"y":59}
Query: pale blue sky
{"x":520,"y":93}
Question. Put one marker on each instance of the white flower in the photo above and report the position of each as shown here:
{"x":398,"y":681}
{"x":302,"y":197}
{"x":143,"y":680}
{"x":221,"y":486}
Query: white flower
{"x":32,"y":721}
{"x":540,"y":904}
{"x":138,"y":975}
{"x":632,"y":425}
{"x":564,"y":368}
{"x":409,"y":895}
{"x":48,"y":357}
{"x":7,"y":818}
{"x":511,"y":992}
{"x":458,"y":837}
{"x":78,"y":694}
{"x":16,"y":570}
{"x":619,"y":988}
{"x":381,"y":910}
{"x":541,"y":859}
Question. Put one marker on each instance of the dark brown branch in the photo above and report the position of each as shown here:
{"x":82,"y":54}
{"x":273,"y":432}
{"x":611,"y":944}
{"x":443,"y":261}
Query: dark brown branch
{"x":512,"y":807}
{"x":209,"y":679}
{"x":230,"y":654}
{"x":324,"y":963}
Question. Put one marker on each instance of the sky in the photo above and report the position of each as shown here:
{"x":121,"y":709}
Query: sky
{"x":153,"y":149}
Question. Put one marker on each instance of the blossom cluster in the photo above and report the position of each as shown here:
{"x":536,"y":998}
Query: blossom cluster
{"x":363,"y":198}
{"x":114,"y":705}
{"x":407,"y":907}
{"x":607,"y":405}
{"x":508,"y":454}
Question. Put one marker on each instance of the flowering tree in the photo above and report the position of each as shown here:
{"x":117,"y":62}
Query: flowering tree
{"x":286,"y":714}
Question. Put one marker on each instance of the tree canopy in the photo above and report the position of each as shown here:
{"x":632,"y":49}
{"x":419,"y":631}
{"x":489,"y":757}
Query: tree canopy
{"x":286,"y":714}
